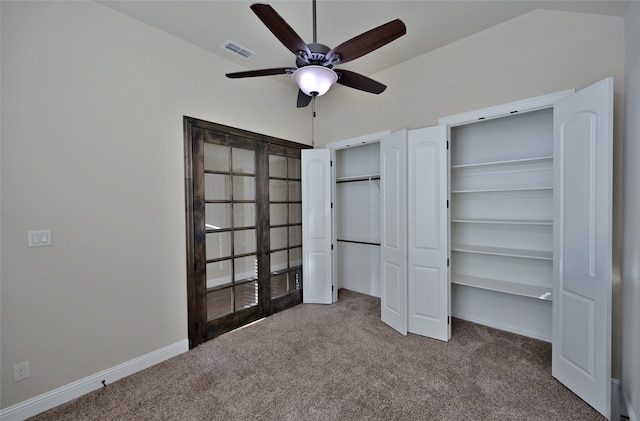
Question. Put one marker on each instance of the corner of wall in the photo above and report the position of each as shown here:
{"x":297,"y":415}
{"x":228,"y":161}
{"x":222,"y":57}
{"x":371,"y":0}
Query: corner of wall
{"x":630,"y":369}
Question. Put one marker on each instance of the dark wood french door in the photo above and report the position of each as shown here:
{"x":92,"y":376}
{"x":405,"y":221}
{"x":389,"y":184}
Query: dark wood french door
{"x":244,"y":227}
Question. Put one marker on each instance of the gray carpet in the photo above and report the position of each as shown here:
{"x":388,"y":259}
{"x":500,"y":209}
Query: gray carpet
{"x":340,"y":362}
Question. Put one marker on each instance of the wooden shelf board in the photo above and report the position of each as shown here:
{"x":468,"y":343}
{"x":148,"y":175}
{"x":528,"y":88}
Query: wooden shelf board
{"x":504,"y":221}
{"x":507,"y":252}
{"x":526,"y":189}
{"x":503,"y":163}
{"x":526,"y":290}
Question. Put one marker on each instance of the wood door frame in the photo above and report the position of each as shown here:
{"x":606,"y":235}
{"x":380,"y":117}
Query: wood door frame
{"x":196,"y":262}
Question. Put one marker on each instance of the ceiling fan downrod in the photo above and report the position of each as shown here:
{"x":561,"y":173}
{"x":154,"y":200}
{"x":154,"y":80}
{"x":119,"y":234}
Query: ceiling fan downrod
{"x":315,"y":34}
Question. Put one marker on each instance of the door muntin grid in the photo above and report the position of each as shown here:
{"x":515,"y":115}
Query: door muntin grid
{"x":230,"y":229}
{"x":285,"y":216}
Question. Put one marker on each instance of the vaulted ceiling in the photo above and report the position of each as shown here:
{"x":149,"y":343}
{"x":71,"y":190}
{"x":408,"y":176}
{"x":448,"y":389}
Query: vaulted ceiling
{"x":430,"y":25}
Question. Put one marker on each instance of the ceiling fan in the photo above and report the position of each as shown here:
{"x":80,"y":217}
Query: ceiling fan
{"x":314,"y":71}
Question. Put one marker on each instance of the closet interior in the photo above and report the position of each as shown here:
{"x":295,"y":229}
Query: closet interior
{"x":357,"y":217}
{"x":501,"y":222}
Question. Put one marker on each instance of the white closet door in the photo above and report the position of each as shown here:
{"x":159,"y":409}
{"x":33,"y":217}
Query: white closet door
{"x":428,"y":278}
{"x":393,"y":247}
{"x":316,"y":226}
{"x":582,"y":243}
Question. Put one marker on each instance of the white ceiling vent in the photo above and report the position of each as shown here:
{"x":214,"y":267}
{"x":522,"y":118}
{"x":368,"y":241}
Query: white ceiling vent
{"x":238,"y":50}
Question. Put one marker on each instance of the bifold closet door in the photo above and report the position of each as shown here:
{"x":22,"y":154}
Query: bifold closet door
{"x":428,"y":291}
{"x":414,"y":276}
{"x":393,"y":216}
{"x":583,"y":131}
{"x":316,"y":226}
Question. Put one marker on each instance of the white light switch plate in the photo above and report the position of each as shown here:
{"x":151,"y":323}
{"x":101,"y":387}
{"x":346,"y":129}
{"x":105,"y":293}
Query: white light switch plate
{"x":39,"y":238}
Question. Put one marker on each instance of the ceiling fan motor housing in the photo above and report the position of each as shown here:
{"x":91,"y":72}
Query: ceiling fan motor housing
{"x":318,"y":56}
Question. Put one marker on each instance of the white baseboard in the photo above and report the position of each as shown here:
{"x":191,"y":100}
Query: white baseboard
{"x":78,"y":388}
{"x":627,"y":409}
{"x":616,"y":400}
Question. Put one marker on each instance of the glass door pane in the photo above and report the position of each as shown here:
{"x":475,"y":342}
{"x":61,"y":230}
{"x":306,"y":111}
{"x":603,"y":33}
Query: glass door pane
{"x":295,"y":223}
{"x":230,"y":230}
{"x":285,"y":201}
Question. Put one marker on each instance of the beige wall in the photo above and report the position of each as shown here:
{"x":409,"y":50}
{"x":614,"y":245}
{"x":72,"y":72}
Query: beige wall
{"x":538,"y":53}
{"x":631,"y":210}
{"x":92,"y":106}
{"x":92,"y":148}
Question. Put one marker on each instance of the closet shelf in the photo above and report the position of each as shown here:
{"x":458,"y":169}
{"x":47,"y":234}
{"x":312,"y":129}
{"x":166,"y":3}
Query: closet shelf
{"x":536,"y":160}
{"x":500,"y":251}
{"x":351,"y":179}
{"x":541,"y":222}
{"x":525,"y":290}
{"x":505,"y":190}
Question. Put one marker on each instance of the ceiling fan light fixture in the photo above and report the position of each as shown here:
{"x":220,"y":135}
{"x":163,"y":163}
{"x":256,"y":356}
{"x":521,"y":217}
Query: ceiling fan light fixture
{"x":314,"y":80}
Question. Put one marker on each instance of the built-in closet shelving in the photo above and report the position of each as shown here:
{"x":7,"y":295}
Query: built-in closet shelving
{"x":357,"y":203}
{"x":501,"y":190}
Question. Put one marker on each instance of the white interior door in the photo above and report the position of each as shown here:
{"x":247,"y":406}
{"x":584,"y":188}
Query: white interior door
{"x":428,"y":278}
{"x":582,"y":243}
{"x":393,"y":247}
{"x":316,"y":226}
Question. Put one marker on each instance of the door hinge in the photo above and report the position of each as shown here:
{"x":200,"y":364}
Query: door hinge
{"x":447,"y":203}
{"x":331,"y":163}
{"x":331,"y":205}
{"x":447,"y":145}
{"x":448,"y":320}
{"x":331,"y":288}
{"x":447,"y":262}
{"x":331,"y":246}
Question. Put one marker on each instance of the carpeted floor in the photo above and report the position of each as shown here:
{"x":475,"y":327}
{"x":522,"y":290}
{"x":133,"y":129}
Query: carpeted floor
{"x":340,"y":362}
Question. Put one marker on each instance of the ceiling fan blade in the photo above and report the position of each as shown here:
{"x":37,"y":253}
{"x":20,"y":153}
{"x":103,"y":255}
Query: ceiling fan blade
{"x":280,"y":28}
{"x":303,"y":99}
{"x":368,"y":41}
{"x":358,"y":81}
{"x":261,"y":72}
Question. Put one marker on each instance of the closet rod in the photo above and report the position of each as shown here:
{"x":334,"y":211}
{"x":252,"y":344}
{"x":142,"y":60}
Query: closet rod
{"x":377,"y":177}
{"x":359,"y":242}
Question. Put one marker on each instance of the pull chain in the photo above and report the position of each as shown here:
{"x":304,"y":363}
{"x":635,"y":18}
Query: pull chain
{"x":313,"y":118}
{"x":313,"y":97}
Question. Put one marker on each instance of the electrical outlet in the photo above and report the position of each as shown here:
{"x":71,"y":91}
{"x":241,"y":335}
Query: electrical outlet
{"x":21,"y":371}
